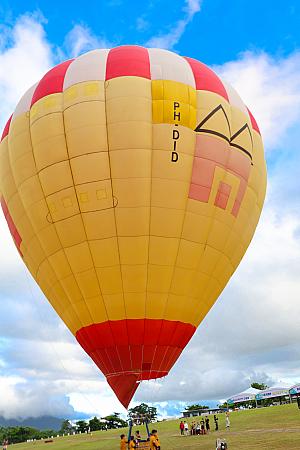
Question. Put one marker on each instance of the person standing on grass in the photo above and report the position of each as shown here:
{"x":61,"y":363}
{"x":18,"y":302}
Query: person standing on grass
{"x":154,"y":440}
{"x":132,"y":444}
{"x":202,"y":426}
{"x":192,"y":428}
{"x":157,"y":440}
{"x":181,"y":427}
{"x":207,"y":426}
{"x":216,"y":422}
{"x":227,"y":421}
{"x":186,"y":428}
{"x":123,"y":442}
{"x":198,"y":428}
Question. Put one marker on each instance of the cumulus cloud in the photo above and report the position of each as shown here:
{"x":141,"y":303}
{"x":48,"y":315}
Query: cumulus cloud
{"x":81,"y":39}
{"x":271,"y":89}
{"x":25,"y":55}
{"x":29,"y":396}
{"x":53,"y":377}
{"x":21,"y":398}
{"x":170,"y":39}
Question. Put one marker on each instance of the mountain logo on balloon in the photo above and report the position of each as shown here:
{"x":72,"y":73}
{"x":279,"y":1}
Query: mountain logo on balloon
{"x":245,"y":128}
{"x":242,"y":140}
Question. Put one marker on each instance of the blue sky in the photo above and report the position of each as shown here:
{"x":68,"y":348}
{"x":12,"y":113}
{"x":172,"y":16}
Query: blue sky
{"x":216,"y":34}
{"x":256,"y":47}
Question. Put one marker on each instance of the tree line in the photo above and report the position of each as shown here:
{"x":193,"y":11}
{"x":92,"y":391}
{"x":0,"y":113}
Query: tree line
{"x":22,"y":434}
{"x":112,"y":421}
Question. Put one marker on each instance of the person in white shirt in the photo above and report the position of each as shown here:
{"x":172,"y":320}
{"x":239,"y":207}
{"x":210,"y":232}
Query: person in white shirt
{"x":186,"y":428}
{"x":227,"y":421}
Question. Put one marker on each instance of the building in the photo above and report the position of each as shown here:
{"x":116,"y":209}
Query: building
{"x":199,"y":412}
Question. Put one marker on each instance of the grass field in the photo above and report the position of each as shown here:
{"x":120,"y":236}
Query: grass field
{"x":277,"y":427}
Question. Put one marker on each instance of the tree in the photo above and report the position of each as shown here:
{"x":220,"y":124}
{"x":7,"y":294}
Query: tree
{"x":143,"y":411}
{"x":260,"y":386}
{"x":223,"y":405}
{"x":82,"y":426}
{"x":114,"y":421}
{"x":95,"y":424}
{"x":66,"y":427}
{"x":196,"y":406}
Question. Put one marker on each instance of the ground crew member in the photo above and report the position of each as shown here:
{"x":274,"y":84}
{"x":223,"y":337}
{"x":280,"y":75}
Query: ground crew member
{"x":132,"y":444}
{"x":154,"y":441}
{"x":123,"y":442}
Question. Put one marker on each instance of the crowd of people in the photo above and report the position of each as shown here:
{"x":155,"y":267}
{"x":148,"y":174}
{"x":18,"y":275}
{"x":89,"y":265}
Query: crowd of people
{"x":202,"y":426}
{"x":195,"y":428}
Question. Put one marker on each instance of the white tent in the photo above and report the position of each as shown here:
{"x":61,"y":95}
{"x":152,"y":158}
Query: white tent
{"x":295,"y":389}
{"x":273,"y":391}
{"x":245,"y":396}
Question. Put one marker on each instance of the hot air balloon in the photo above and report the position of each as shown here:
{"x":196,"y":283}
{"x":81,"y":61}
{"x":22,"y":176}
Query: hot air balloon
{"x":132,"y":181}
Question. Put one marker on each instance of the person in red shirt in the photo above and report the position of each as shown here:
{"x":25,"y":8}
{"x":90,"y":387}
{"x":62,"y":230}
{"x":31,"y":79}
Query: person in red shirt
{"x":181,"y":427}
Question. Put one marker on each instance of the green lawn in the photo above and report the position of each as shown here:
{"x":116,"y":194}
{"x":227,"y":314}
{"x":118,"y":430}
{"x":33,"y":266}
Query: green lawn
{"x":277,"y":427}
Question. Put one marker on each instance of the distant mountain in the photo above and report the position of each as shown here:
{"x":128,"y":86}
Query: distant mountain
{"x":41,"y":423}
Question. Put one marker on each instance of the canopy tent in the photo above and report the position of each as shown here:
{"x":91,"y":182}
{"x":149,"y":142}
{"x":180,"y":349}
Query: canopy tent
{"x":244,"y":396}
{"x":295,"y":389}
{"x":273,"y":391}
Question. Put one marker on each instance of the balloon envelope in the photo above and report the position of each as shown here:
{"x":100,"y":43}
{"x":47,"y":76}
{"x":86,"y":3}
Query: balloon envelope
{"x":132,"y":181}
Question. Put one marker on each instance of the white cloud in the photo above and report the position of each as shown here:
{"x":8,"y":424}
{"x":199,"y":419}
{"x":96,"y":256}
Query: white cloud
{"x":270,"y":87}
{"x":21,"y":398}
{"x":95,"y":398}
{"x":170,"y":39}
{"x":25,"y":55}
{"x":192,"y":7}
{"x":9,"y":256}
{"x":81,"y":39}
